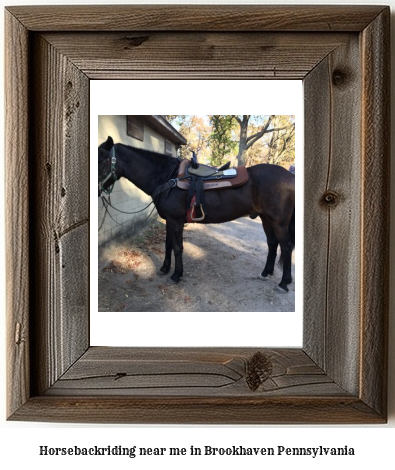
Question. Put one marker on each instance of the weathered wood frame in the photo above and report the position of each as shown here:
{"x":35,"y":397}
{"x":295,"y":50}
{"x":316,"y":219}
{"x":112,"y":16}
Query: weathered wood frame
{"x":340,"y":374}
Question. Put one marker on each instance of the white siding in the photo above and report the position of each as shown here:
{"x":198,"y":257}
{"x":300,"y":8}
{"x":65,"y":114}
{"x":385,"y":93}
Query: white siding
{"x":126,"y":196}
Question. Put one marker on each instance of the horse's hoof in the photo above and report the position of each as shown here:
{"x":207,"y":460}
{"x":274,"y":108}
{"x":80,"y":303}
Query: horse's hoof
{"x":281,"y":290}
{"x":163,"y":271}
{"x":263,"y":278}
{"x":175,"y":279}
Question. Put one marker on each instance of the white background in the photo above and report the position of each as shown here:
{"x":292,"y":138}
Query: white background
{"x":109,"y":97}
{"x":19,"y":442}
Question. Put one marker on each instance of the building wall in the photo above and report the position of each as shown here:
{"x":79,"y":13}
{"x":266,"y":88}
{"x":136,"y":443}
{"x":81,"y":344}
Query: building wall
{"x":126,"y":196}
{"x":115,"y":126}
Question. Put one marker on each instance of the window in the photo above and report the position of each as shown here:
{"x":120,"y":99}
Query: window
{"x":135,"y":127}
{"x":168,"y":147}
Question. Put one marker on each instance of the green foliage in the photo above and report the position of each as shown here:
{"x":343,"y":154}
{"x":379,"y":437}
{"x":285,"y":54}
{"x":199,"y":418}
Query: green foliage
{"x":222,"y":139}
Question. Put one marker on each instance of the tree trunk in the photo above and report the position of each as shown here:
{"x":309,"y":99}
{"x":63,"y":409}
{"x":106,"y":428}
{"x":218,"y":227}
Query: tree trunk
{"x":241,"y":157}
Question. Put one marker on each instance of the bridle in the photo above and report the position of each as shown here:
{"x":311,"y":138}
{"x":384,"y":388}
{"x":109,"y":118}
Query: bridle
{"x":167,"y":186}
{"x":112,"y":160}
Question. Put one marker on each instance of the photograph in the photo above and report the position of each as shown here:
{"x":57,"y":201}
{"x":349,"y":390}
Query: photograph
{"x":196,"y":213}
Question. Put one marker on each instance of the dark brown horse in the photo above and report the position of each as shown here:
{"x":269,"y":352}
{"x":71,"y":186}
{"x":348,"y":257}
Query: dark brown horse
{"x":269,"y":194}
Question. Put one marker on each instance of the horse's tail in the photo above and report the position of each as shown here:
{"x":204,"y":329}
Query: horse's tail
{"x":291,"y":230}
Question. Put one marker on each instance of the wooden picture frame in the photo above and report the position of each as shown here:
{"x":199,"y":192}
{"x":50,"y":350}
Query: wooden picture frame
{"x":340,"y":373}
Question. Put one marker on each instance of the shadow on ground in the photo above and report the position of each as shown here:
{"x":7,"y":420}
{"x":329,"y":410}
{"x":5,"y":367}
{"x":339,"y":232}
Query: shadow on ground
{"x":221,"y":267}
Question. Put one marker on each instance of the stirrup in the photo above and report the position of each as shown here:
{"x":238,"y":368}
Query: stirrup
{"x":197,"y":219}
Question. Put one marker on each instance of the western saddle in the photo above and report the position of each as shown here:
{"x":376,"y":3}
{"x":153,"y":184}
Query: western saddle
{"x":197,"y":178}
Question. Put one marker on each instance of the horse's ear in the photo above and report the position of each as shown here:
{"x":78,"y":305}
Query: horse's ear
{"x":108,"y":144}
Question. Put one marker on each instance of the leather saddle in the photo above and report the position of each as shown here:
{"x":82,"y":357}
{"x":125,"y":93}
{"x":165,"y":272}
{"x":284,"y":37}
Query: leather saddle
{"x":213,"y":178}
{"x":200,"y":178}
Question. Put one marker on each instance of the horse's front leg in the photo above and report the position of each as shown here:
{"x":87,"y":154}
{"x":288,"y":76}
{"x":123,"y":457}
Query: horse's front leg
{"x":169,"y":247}
{"x":176,"y":229}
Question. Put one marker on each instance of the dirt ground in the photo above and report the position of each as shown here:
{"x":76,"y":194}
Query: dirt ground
{"x":221,"y":267}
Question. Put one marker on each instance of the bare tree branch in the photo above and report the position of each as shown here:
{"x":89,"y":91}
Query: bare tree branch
{"x":253,"y":138}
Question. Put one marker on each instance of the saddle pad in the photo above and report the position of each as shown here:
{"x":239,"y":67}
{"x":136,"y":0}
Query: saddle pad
{"x":240,"y":179}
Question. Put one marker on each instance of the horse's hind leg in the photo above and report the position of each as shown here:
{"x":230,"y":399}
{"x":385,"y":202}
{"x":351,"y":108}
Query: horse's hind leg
{"x":169,"y":248}
{"x":272,"y":244}
{"x":286,"y":255}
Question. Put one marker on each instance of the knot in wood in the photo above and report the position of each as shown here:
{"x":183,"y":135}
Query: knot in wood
{"x":135,"y":41}
{"x":339,"y":77}
{"x":330,"y":199}
{"x":259,"y":369}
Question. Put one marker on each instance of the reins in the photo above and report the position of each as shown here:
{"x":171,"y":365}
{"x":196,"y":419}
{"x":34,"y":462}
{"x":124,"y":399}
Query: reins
{"x":107,"y":203}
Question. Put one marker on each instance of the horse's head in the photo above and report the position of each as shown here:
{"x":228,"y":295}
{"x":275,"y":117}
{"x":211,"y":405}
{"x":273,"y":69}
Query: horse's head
{"x":107,"y":164}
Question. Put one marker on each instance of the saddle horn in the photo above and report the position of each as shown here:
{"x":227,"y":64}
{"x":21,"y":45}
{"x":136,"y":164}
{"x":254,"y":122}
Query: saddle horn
{"x":194,"y":161}
{"x":224,"y":166}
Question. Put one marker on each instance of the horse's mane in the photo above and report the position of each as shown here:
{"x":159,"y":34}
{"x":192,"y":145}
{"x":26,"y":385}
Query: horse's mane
{"x":148,"y":152}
